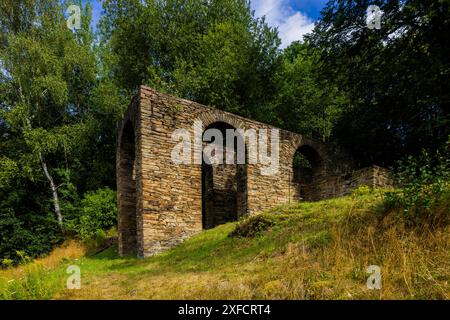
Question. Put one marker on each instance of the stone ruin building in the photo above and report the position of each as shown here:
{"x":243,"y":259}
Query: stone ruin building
{"x":161,"y":203}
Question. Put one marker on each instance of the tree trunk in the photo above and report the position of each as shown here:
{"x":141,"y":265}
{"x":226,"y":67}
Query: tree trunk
{"x":54,"y":191}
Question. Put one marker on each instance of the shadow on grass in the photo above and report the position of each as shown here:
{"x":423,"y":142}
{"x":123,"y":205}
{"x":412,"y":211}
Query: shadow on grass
{"x":215,"y":249}
{"x":203,"y":252}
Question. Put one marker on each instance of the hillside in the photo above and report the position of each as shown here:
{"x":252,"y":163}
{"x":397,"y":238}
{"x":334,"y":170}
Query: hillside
{"x":300,"y":251}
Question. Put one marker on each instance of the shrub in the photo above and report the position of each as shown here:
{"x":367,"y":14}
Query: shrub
{"x":424,"y":196}
{"x":30,"y":232}
{"x":98,"y":214}
{"x":7,"y":263}
{"x":361,"y":191}
{"x":253,"y":226}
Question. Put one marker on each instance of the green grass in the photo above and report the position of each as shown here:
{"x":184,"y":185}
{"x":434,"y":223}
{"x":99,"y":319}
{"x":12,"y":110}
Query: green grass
{"x":314,"y":250}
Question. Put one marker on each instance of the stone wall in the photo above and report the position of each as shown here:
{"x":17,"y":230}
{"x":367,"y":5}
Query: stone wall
{"x":342,"y":185}
{"x":170,"y":199}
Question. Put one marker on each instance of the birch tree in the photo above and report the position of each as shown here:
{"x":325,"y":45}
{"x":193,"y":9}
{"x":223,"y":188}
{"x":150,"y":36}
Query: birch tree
{"x":47,"y":74}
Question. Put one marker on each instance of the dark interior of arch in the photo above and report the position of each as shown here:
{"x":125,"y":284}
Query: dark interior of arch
{"x":307,"y":167}
{"x":224,"y":186}
{"x":127,"y":192}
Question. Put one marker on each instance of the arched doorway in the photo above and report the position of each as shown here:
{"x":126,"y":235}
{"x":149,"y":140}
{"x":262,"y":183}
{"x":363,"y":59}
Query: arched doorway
{"x":127,"y":223}
{"x":307,"y":167}
{"x":224,"y":186}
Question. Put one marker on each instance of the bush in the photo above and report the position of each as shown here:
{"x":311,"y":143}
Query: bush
{"x":424,"y":196}
{"x":30,"y":232}
{"x":361,"y":191}
{"x":98,"y":214}
{"x":7,"y":263}
{"x":253,"y":226}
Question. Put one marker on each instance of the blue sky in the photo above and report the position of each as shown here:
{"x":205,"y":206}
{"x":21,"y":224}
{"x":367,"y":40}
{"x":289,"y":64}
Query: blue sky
{"x":294,"y":18}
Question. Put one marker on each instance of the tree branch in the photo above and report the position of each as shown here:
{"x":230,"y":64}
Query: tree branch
{"x":54,"y":189}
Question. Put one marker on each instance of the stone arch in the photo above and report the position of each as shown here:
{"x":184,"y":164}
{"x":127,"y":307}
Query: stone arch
{"x":213,"y":116}
{"x":127,"y":190}
{"x":308,"y":165}
{"x":168,"y":199}
{"x":224,"y":186}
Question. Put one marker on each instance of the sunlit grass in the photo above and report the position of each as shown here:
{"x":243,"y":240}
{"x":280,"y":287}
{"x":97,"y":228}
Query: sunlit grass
{"x":313,"y":251}
{"x":43,"y":277}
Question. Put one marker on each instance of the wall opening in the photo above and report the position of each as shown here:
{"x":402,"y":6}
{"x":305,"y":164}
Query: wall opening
{"x":307,"y":167}
{"x":127,"y":192}
{"x":224,"y":186}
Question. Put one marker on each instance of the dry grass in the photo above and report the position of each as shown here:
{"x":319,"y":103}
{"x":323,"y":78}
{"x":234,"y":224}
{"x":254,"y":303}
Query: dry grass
{"x":315,"y":251}
{"x":39,"y":279}
{"x":68,"y":251}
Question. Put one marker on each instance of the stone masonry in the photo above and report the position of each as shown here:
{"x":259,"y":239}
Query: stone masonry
{"x":162,"y":203}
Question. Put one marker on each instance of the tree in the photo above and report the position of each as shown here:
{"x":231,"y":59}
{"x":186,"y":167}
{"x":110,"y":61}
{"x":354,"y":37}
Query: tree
{"x":57,"y":123}
{"x":212,"y":52}
{"x":47,"y":72}
{"x":397,"y":76}
{"x":305,"y":103}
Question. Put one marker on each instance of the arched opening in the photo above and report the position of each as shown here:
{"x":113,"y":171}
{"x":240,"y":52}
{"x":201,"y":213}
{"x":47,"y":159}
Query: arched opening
{"x":307,"y":167}
{"x":127,"y":192}
{"x":224,"y":186}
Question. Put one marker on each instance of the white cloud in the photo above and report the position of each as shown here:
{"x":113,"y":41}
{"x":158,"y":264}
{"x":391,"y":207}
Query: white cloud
{"x":292,"y":25}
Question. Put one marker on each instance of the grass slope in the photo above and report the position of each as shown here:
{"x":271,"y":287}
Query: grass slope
{"x":311,"y":251}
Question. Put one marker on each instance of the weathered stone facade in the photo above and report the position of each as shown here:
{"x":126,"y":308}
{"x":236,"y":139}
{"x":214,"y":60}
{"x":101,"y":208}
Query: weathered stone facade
{"x":162,"y":203}
{"x":344,"y":184}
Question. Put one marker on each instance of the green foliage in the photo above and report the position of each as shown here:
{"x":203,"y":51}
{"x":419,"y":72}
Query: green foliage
{"x":304,"y":102}
{"x":7,"y":263}
{"x":99,"y":213}
{"x":361,"y":191}
{"x":212,"y":52}
{"x":300,"y":161}
{"x":54,"y":107}
{"x":253,"y":226}
{"x":424,"y":196}
{"x":26,"y":221}
{"x":396,"y":77}
{"x":380,"y":93}
{"x":8,"y":170}
{"x":30,"y":233}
